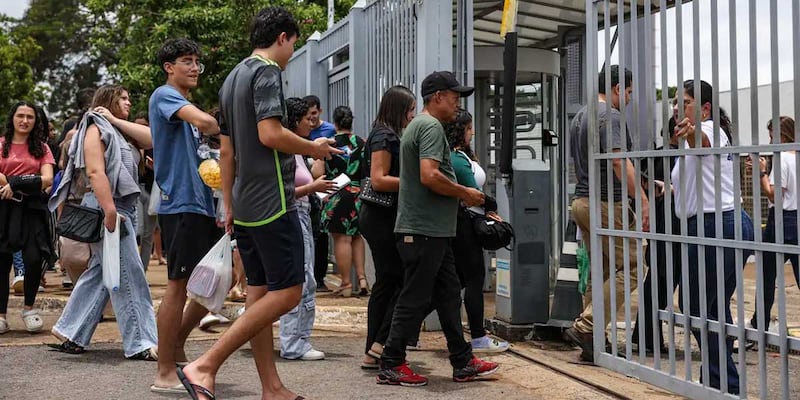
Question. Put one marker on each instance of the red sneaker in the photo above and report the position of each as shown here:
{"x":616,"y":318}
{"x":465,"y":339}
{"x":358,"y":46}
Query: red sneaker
{"x":476,"y":368}
{"x":401,"y":375}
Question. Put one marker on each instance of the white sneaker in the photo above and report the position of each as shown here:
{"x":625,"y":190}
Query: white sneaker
{"x":313,"y":355}
{"x":488,"y":345}
{"x":212,"y":320}
{"x":18,"y":284}
{"x":4,"y":326}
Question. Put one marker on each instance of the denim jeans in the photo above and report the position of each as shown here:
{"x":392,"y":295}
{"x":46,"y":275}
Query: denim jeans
{"x":296,"y":325}
{"x":709,"y":289}
{"x":132,"y":304}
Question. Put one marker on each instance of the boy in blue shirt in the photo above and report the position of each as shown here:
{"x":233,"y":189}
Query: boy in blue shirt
{"x":186,"y":213}
{"x":319,"y":128}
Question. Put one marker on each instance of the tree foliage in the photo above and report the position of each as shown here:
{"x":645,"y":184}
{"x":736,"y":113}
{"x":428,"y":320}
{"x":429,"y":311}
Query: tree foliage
{"x":85,"y":43}
{"x":16,"y":55}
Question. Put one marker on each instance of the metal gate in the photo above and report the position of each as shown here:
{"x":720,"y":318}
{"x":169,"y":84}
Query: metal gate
{"x":707,"y":251}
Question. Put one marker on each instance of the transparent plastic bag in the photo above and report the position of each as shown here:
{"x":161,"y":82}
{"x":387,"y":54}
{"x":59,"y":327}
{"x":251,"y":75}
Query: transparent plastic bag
{"x":155,"y":200}
{"x":111,"y":258}
{"x":211,"y":279}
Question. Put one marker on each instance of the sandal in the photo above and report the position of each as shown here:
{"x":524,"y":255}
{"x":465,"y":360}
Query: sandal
{"x":68,"y":347}
{"x":146,"y":355}
{"x":375,"y":362}
{"x":344,"y":291}
{"x":363,"y":285}
{"x":33,"y":322}
{"x":192,"y":388}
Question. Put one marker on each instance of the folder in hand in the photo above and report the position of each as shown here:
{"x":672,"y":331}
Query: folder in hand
{"x":340,"y":181}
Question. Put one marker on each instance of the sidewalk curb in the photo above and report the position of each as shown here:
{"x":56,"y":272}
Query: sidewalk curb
{"x":336,"y":318}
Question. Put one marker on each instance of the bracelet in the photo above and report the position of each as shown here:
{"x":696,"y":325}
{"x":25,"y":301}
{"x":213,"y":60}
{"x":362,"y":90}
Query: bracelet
{"x":763,"y":174}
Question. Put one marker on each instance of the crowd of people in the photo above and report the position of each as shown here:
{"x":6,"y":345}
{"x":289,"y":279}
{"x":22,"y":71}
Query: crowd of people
{"x":411,"y":190}
{"x":407,"y":189}
{"x":700,"y":219}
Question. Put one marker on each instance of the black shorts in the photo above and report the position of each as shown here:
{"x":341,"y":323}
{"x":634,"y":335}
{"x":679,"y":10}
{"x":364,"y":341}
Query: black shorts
{"x":187,"y":238}
{"x":273,"y":254}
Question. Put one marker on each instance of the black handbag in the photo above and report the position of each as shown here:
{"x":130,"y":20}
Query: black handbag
{"x":370,"y":195}
{"x":81,"y":224}
{"x":491,"y":234}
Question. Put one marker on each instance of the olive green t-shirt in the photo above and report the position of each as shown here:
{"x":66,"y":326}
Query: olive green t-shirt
{"x":420,"y":211}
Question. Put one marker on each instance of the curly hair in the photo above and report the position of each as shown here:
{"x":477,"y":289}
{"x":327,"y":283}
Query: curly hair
{"x":172,"y":49}
{"x":296,"y":109}
{"x":38,"y":135}
{"x":456,"y":133}
{"x":269,"y":23}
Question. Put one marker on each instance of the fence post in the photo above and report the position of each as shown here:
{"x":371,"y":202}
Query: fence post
{"x":357,"y":82}
{"x":317,"y":73}
{"x":434,"y":40}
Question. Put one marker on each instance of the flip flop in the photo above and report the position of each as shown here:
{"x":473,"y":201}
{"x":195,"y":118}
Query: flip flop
{"x":192,"y":388}
{"x":177,"y":389}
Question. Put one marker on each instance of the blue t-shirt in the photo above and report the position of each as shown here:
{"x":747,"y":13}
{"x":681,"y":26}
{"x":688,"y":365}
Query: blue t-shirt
{"x":325,"y":130}
{"x":175,"y":144}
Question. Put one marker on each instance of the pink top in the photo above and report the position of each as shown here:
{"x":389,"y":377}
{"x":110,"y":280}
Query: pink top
{"x":302,"y":176}
{"x":21,"y":162}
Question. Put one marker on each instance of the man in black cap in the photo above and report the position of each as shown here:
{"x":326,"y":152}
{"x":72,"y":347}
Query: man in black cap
{"x":425,"y":227}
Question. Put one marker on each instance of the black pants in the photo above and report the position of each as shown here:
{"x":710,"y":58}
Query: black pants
{"x":430,"y":280}
{"x":471,"y":271}
{"x":665,"y":293}
{"x":769,"y":272}
{"x":320,"y":256}
{"x":33,"y":274}
{"x":377,"y":226}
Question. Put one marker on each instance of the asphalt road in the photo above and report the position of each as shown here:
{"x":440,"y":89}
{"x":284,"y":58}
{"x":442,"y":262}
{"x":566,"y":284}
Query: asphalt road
{"x":34,"y":372}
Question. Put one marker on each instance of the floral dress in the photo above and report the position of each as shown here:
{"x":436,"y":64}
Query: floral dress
{"x":340,"y":211}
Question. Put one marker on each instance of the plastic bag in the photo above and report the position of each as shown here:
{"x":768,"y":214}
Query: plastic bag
{"x":582,"y":256}
{"x":211,"y":279}
{"x":155,"y":200}
{"x":111,"y":258}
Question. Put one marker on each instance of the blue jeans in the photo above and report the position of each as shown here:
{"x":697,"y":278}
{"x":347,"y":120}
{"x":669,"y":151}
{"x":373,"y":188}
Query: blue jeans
{"x":132,"y":304}
{"x":709,"y":290}
{"x":296,"y":325}
{"x":769,"y":272}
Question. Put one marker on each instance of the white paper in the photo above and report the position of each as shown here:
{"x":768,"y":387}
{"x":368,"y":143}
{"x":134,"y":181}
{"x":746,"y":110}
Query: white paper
{"x":340,"y":182}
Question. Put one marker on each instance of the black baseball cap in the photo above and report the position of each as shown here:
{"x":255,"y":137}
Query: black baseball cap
{"x":444,"y":80}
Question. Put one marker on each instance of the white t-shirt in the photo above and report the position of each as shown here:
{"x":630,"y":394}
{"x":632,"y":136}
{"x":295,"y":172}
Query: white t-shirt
{"x":788,"y":180}
{"x":686,"y":191}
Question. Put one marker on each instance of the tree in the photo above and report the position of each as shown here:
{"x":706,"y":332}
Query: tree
{"x":16,"y":55}
{"x":133,"y":31}
{"x":65,"y":65}
{"x":341,"y":7}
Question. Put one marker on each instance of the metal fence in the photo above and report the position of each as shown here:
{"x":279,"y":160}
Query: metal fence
{"x":358,"y":59}
{"x":705,"y":252}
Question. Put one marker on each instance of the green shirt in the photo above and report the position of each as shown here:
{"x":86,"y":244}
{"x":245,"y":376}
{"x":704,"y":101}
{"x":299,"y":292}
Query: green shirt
{"x":420,"y":211}
{"x":463,"y":168}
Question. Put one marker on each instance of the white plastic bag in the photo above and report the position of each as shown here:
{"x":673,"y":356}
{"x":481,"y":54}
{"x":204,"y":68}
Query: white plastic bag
{"x":211,"y":278}
{"x":155,"y":200}
{"x":111,"y":258}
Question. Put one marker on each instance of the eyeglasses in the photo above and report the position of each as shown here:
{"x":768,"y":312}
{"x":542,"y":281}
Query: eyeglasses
{"x":190,"y":64}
